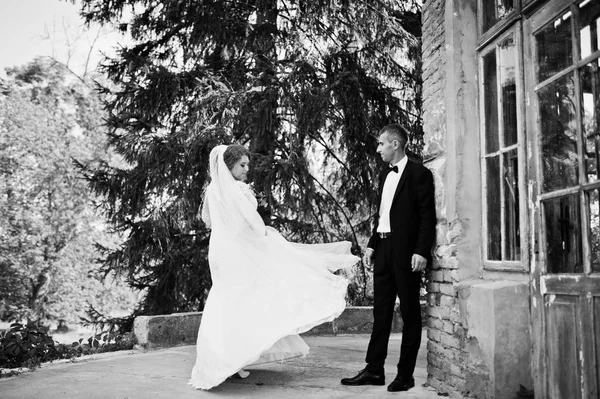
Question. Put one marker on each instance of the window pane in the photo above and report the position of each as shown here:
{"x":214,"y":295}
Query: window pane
{"x":494,"y":11}
{"x":559,"y":135}
{"x":590,"y":109}
{"x":512,"y":235}
{"x":594,"y":213}
{"x":493,"y":207}
{"x":563,"y":235}
{"x":490,"y":90}
{"x":554,"y":47}
{"x":589,"y":22}
{"x":508,"y":78}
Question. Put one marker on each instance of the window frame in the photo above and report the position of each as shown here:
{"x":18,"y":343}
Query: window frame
{"x":583,"y":187}
{"x":485,"y":36}
{"x":521,"y":265}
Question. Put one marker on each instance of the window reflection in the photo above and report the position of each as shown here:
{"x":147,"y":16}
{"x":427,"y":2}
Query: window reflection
{"x":554,"y":47}
{"x":490,"y":81}
{"x":508,"y":83}
{"x":563,"y":235}
{"x":559,"y":135}
{"x":589,"y":22}
{"x":493,"y":208}
{"x":512,"y":237}
{"x":494,"y":11}
{"x":594,"y":212}
{"x":561,"y":126}
{"x":590,"y":107}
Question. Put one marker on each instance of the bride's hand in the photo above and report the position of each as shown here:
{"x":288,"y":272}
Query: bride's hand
{"x":368,"y":258}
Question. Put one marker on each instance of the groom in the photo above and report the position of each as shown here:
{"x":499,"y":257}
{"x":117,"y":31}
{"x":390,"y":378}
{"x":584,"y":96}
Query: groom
{"x":400,"y":248}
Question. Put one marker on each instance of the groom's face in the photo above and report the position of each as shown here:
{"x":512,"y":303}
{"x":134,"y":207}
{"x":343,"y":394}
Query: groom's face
{"x":386,"y":148}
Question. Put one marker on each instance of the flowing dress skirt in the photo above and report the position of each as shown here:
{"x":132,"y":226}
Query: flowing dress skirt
{"x":265,"y":292}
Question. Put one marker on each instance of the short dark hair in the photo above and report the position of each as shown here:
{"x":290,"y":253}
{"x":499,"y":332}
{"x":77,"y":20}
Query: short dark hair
{"x":397,"y":131}
{"x":234,"y":153}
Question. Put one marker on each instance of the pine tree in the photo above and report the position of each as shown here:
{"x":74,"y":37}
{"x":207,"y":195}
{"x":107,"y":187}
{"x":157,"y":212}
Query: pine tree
{"x":306,"y":85}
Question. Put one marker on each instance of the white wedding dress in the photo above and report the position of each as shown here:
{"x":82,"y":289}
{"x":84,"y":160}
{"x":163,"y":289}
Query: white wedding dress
{"x":266,"y":290}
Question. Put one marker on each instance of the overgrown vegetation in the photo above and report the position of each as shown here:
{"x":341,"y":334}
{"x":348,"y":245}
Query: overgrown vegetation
{"x":49,"y":226}
{"x":28,"y":346}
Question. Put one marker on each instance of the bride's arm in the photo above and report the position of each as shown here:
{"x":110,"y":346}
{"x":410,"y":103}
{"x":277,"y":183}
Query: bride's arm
{"x":204,"y":213}
{"x":257,"y":224}
{"x":253,"y":218}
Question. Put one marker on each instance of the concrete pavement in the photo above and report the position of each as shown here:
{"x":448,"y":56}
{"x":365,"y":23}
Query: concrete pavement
{"x":164,"y":373}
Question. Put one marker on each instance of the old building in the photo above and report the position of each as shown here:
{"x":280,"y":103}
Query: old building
{"x":511,"y":117}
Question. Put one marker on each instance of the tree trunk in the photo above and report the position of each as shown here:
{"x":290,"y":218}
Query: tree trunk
{"x":262,"y":137}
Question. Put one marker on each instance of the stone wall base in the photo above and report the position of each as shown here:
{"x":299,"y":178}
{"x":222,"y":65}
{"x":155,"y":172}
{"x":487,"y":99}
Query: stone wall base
{"x":489,"y":354}
{"x":167,"y":330}
{"x":182,"y":328}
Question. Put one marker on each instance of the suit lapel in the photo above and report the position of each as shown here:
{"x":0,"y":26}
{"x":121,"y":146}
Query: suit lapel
{"x":407,"y":170}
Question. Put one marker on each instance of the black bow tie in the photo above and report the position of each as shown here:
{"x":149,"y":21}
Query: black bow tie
{"x":393,"y":169}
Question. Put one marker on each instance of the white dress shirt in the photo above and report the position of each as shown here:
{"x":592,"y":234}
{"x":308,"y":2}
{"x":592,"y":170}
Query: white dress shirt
{"x":387,"y":196}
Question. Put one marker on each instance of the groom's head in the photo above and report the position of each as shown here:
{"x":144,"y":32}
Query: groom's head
{"x":392,"y":143}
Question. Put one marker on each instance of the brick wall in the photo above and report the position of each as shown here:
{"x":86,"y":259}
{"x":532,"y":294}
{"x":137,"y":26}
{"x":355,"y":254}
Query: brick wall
{"x":445,"y":332}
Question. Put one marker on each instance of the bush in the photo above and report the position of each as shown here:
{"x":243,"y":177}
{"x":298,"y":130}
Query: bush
{"x":22,"y":346}
{"x":25,"y":346}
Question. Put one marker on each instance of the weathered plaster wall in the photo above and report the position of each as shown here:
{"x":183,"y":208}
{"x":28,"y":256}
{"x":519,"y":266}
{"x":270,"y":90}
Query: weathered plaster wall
{"x":452,"y":146}
{"x":496,"y":346}
{"x":467,"y":356}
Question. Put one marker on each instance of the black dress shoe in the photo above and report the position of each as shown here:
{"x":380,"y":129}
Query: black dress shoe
{"x":401,"y":384}
{"x":365,"y":377}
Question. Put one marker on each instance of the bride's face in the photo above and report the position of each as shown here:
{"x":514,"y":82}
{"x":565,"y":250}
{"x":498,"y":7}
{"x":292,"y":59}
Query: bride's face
{"x":240,"y":169}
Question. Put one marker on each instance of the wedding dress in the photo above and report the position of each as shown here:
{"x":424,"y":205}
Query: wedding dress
{"x":266,"y":290}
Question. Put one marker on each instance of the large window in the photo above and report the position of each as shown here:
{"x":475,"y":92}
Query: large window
{"x":501,"y":138}
{"x":567,"y":77}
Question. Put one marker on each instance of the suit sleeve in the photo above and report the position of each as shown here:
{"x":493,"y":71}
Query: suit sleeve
{"x":427,"y":217}
{"x":372,"y":240}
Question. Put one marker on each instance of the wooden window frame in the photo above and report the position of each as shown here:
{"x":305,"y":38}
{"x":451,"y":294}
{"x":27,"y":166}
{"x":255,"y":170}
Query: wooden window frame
{"x":521,"y":265}
{"x":583,"y":187}
{"x":485,"y":37}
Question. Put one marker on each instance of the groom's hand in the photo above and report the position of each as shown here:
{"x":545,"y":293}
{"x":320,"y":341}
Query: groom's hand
{"x":418,"y":263}
{"x":368,"y":257}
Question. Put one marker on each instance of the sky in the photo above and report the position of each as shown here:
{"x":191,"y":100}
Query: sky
{"x":30,"y":28}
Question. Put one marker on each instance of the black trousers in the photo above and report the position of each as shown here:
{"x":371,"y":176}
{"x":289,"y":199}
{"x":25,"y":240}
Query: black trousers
{"x":389,"y":281}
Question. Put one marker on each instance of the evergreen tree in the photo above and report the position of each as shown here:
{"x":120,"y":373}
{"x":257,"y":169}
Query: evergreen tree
{"x":306,"y":85}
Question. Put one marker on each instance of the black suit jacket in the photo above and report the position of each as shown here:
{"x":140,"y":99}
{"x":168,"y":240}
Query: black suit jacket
{"x":412,"y":215}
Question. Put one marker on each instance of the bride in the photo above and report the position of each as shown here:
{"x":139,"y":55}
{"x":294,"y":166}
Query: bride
{"x":266,"y":290}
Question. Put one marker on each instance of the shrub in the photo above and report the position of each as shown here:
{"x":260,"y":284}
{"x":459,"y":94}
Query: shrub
{"x":24,"y":346}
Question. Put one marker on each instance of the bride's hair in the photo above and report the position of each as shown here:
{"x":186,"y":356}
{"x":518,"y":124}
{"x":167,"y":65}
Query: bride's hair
{"x":234,"y":153}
